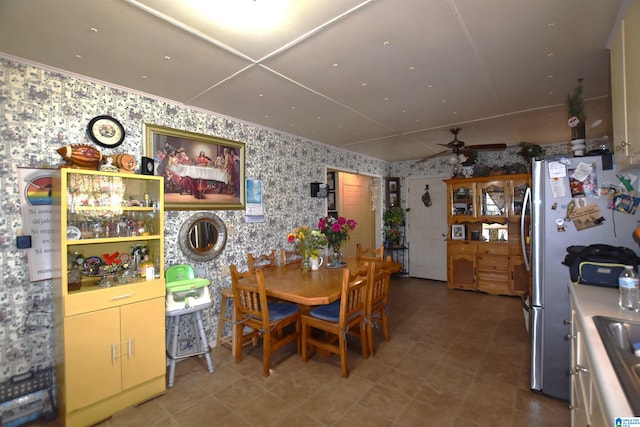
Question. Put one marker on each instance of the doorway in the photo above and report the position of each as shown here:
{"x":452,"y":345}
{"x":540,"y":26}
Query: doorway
{"x":354,"y":201}
{"x":427,"y":228}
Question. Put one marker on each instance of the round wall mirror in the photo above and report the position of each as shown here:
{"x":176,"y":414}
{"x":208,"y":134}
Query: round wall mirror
{"x":202,"y":236}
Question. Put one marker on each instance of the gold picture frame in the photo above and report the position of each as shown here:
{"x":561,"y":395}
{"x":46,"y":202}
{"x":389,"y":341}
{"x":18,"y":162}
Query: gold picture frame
{"x":201,"y":172}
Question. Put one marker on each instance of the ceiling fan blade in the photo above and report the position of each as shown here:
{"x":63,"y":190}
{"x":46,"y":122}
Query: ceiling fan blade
{"x":433,"y":156}
{"x":486,"y":147}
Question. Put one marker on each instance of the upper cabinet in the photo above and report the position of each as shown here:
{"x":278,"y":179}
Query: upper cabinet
{"x":487,"y":199}
{"x":625,"y":88}
{"x":492,"y":200}
{"x":517,"y":190}
{"x":461,"y":200}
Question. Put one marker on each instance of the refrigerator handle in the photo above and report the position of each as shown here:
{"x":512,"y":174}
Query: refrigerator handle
{"x":523,"y":216}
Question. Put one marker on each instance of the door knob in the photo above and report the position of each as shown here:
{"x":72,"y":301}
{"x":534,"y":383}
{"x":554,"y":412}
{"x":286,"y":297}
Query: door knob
{"x":444,"y":234}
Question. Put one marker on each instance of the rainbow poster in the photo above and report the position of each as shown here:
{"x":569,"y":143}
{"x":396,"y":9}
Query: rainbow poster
{"x":36,"y":202}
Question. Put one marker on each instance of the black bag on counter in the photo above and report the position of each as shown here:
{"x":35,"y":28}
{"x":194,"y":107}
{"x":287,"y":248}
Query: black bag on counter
{"x":599,"y":265}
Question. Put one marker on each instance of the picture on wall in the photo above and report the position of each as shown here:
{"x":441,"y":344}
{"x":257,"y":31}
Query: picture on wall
{"x":331,"y":201}
{"x":331,"y":181}
{"x":392,"y":190}
{"x":200,"y":171}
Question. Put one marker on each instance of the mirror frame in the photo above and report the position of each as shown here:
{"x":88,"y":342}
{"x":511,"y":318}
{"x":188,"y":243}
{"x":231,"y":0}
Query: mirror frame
{"x":187,"y":228}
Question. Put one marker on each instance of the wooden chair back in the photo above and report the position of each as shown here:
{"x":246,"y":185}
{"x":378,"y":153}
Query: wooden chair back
{"x":257,"y":262}
{"x":370,"y":254}
{"x":248,"y":297}
{"x":376,"y":302}
{"x":290,"y":258}
{"x":352,"y":299}
{"x":253,"y":309}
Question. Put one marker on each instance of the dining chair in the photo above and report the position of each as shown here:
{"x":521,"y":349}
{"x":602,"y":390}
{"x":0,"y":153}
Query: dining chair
{"x":268,"y":319}
{"x":290,"y":258}
{"x":228,"y":316}
{"x":335,"y":320}
{"x":376,"y":302}
{"x":370,"y":254}
{"x":256,"y":262}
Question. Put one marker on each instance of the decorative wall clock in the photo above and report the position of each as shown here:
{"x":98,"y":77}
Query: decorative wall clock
{"x":106,"y":131}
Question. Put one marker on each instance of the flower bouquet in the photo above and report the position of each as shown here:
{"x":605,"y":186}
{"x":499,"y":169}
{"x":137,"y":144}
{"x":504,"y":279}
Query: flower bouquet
{"x":337,"y":231}
{"x":308,"y":243}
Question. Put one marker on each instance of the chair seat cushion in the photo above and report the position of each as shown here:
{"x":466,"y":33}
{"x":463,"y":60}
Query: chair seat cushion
{"x":280,"y":310}
{"x":329,"y":312}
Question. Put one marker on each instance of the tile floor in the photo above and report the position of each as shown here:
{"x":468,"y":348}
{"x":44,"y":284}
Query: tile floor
{"x":455,"y":358}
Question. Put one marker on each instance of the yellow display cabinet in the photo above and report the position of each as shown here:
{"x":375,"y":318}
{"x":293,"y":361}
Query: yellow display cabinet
{"x":109,"y":319}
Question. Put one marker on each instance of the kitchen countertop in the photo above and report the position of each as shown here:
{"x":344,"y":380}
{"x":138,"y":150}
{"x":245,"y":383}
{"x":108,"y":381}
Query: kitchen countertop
{"x":592,"y":301}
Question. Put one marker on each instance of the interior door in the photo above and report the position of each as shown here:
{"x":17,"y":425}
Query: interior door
{"x":354,"y":202}
{"x":427,"y":229}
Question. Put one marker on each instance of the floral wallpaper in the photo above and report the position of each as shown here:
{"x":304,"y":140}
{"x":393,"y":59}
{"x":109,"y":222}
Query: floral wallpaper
{"x":42,"y":110}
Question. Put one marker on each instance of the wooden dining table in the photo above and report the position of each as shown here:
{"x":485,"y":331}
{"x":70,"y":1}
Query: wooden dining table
{"x":318,"y":287}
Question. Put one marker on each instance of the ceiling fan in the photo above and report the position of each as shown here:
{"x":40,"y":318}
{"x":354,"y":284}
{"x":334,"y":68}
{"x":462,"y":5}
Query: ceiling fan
{"x":458,"y":147}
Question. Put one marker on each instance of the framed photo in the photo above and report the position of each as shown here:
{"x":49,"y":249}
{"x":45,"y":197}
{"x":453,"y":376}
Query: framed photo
{"x":392,"y":190}
{"x":331,"y":181}
{"x":458,"y":232}
{"x":331,"y":201}
{"x":201,"y":172}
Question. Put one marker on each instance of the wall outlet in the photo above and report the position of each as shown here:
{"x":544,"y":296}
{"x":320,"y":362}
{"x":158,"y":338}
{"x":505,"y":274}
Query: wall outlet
{"x":225,"y":270}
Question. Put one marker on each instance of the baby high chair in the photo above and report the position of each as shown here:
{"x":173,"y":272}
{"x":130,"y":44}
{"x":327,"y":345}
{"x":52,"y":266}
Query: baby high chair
{"x":186,"y":297}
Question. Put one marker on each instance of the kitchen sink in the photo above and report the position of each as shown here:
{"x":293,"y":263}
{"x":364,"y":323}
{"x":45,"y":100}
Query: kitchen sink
{"x":618,"y":337}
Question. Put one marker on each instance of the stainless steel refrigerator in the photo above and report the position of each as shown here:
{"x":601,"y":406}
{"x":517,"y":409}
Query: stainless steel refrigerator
{"x":550,"y":234}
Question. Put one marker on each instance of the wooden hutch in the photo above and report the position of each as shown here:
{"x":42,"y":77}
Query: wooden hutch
{"x":484,"y":250}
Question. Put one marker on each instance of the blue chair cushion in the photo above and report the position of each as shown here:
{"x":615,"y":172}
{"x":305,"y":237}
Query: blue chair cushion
{"x":280,"y":310}
{"x":328,"y":312}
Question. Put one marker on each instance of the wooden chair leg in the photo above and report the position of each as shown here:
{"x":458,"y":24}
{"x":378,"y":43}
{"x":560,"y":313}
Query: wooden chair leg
{"x":266,"y":353}
{"x":344,"y":363}
{"x":385,"y":327}
{"x":221,"y":322}
{"x":306,"y":330}
{"x":369,"y":333}
{"x":363,"y":340}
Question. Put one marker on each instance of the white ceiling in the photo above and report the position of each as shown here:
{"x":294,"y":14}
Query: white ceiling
{"x":384,"y":78}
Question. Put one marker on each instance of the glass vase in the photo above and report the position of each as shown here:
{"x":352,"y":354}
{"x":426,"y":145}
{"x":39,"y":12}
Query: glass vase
{"x":336,"y":256}
{"x":306,"y":264}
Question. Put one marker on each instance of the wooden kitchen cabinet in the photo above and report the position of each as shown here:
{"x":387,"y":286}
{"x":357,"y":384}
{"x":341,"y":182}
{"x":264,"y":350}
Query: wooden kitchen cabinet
{"x":495,"y":266}
{"x":110,"y":341}
{"x":625,"y":88}
{"x":461,"y":263}
{"x":586,"y":402}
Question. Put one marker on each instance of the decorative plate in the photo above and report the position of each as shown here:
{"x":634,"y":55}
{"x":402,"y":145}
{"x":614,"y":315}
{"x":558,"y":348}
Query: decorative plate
{"x":105,"y":131}
{"x":343,"y":264}
{"x":73,"y":233}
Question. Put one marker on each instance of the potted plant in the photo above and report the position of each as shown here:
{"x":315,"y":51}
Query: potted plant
{"x":393,"y":219}
{"x":575,"y":110}
{"x":530,"y":151}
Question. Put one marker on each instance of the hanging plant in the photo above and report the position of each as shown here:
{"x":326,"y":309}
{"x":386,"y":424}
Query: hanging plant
{"x":528,"y":151}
